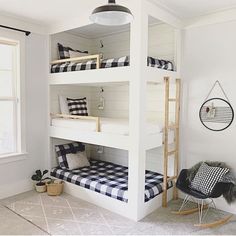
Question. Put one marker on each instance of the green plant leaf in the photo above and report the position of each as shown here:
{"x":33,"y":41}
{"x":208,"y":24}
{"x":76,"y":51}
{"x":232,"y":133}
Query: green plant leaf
{"x":45,"y":172}
{"x":35,"y":177}
{"x":39,"y":173}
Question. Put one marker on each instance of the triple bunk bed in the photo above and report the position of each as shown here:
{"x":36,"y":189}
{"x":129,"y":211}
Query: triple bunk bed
{"x":132,"y":189}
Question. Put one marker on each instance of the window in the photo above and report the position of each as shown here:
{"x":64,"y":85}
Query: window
{"x":10,"y":100}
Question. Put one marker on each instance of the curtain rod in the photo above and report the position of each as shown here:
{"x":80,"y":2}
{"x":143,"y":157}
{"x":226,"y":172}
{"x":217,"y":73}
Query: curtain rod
{"x":27,"y":33}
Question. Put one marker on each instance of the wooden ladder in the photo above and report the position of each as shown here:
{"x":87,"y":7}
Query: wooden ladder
{"x":168,"y":153}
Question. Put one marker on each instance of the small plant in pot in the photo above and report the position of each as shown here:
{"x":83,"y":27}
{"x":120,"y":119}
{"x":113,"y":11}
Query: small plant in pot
{"x":40,"y":186}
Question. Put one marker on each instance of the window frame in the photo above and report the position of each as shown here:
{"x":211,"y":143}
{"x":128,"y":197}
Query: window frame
{"x":18,"y":95}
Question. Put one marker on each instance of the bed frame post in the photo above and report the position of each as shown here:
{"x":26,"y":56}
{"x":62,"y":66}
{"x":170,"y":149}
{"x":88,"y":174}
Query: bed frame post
{"x":98,"y":62}
{"x":175,"y":128}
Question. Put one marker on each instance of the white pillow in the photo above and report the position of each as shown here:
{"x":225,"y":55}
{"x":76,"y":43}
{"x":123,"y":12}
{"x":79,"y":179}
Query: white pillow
{"x":63,"y":105}
{"x":77,"y":54}
{"x":77,"y":160}
{"x":64,"y":109}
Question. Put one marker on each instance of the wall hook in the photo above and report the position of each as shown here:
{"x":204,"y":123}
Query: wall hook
{"x":101,"y":44}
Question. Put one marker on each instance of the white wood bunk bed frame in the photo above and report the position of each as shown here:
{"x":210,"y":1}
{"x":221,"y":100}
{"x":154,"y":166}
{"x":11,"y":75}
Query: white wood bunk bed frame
{"x":137,"y":75}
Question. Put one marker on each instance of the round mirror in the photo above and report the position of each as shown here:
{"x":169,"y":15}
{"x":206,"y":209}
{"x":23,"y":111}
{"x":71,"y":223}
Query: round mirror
{"x":216,"y":114}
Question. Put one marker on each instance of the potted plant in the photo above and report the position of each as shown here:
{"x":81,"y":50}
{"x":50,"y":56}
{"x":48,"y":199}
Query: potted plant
{"x":40,"y":186}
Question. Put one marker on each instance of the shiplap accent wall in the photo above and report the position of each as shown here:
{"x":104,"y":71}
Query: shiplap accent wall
{"x":117,"y":106}
{"x":69,"y":40}
{"x":161,"y":45}
{"x":68,"y":91}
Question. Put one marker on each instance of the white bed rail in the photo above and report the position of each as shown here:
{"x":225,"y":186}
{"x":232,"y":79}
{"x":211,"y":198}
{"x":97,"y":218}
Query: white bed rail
{"x":73,"y":117}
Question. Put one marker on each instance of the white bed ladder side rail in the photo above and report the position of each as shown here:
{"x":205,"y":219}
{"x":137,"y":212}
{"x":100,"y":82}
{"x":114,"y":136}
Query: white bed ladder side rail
{"x":167,"y":128}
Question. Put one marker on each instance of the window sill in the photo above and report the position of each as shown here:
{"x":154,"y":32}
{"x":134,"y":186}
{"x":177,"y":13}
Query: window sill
{"x":13,"y":157}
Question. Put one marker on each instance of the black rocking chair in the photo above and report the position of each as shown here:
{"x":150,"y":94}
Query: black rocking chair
{"x":183,"y":184}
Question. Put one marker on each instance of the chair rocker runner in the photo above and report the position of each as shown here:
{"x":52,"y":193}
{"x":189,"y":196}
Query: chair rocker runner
{"x":204,"y":202}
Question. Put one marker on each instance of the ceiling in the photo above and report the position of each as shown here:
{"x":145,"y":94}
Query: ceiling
{"x":49,"y":12}
{"x":97,"y":31}
{"x":46,"y":12}
{"x":194,"y":8}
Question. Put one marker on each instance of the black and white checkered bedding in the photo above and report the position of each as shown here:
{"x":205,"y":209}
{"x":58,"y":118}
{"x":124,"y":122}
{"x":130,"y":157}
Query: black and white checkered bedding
{"x":110,"y":179}
{"x":64,"y":52}
{"x":108,"y":63}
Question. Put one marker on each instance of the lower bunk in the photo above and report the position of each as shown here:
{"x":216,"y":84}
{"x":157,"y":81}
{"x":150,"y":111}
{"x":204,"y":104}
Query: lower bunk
{"x":104,"y":183}
{"x":110,"y":179}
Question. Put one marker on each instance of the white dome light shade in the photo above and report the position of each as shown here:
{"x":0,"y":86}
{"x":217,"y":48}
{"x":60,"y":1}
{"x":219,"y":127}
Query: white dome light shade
{"x":111,"y":15}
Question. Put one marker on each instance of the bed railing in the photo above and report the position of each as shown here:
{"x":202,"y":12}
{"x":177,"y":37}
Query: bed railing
{"x":80,"y":59}
{"x":64,"y":116}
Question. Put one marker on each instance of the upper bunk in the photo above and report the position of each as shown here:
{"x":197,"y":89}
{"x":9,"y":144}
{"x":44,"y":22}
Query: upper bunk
{"x":95,"y":54}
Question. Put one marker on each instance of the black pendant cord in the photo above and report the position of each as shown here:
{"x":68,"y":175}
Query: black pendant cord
{"x":112,"y":1}
{"x":27,"y":33}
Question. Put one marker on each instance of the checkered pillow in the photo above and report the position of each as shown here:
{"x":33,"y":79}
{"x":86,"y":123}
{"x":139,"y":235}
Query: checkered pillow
{"x":64,"y":51}
{"x":161,"y":64}
{"x":207,"y":177}
{"x":77,"y":107}
{"x":65,"y":149}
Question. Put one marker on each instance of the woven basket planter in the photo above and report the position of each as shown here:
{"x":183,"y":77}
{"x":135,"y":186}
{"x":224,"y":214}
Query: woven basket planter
{"x":55,"y":188}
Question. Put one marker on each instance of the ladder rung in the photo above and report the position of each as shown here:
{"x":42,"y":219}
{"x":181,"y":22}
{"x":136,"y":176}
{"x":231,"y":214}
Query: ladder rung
{"x":173,"y":127}
{"x":172,"y":99}
{"x":172,"y":152}
{"x":171,"y":178}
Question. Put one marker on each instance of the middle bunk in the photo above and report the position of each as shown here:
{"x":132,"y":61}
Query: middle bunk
{"x":86,"y":114}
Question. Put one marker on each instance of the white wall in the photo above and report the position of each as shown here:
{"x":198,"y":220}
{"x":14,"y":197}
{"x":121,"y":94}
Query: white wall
{"x":209,"y":55}
{"x":15,"y":176}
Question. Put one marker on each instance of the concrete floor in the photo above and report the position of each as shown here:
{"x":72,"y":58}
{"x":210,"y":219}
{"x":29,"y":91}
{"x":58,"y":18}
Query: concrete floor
{"x":33,"y":213}
{"x":11,"y":224}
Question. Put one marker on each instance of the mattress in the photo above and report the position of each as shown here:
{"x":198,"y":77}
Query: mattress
{"x":110,"y":179}
{"x":109,"y":63}
{"x":107,"y":125}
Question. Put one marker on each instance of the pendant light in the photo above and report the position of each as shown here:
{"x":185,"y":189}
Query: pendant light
{"x":111,"y":14}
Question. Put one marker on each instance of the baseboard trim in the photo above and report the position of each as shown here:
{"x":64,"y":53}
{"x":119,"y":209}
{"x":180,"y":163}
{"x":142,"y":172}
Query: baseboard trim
{"x":11,"y":189}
